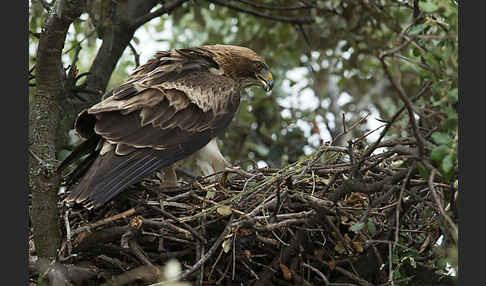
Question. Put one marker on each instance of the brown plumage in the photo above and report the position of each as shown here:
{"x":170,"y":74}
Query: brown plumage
{"x":166,"y":110}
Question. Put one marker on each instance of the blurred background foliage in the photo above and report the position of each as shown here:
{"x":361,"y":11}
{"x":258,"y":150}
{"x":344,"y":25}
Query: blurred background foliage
{"x":330,"y":60}
{"x":324,"y":70}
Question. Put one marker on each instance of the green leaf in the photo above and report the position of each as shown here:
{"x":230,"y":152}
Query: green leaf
{"x":441,"y":138}
{"x":451,"y":112}
{"x":447,"y":167}
{"x":416,"y":29}
{"x":453,"y":95}
{"x":439,"y":153}
{"x":449,"y":124}
{"x":428,"y":7}
{"x":448,"y":163}
{"x":424,"y":172}
{"x":371,"y":227}
{"x":357,"y":227}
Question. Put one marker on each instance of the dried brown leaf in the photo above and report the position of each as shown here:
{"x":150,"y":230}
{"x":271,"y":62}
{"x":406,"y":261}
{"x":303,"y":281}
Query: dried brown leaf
{"x":287,"y":274}
{"x":358,"y":245}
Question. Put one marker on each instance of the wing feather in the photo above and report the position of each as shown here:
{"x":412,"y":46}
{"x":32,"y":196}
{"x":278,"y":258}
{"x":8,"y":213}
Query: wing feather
{"x":167,"y":109}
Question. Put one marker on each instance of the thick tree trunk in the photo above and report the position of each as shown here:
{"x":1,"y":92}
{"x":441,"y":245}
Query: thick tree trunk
{"x":116,"y":29}
{"x":118,"y":23}
{"x":43,"y":122}
{"x":116,"y":36}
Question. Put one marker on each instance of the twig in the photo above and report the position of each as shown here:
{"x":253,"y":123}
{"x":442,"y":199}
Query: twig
{"x":396,"y":49}
{"x":104,"y":221}
{"x":408,"y":105}
{"x":250,"y":270}
{"x":350,"y":128}
{"x":274,"y":7}
{"x":210,"y":252}
{"x":189,"y":228}
{"x":390,"y":264}
{"x":416,"y":18}
{"x":307,"y":41}
{"x":146,"y":273}
{"x":439,"y":206}
{"x":349,"y":186}
{"x":68,"y":232}
{"x":215,"y":263}
{"x":350,"y":275}
{"x":370,"y":241}
{"x":41,"y":162}
{"x":319,"y":273}
{"x":79,"y":76}
{"x":135,"y":54}
{"x":165,"y":223}
{"x":247,"y":219}
{"x":287,"y":253}
{"x":302,"y":21}
{"x":78,"y":44}
{"x":166,"y":9}
{"x":278,"y":199}
{"x":234,"y":210}
{"x":328,"y":220}
{"x":47,"y":6}
{"x":138,"y":252}
{"x":234,"y":253}
{"x":280,"y":224}
{"x":354,"y":173}
{"x":422,"y":65}
{"x":375,"y":145}
{"x":267,"y":240}
{"x":200,"y":247}
{"x":344,"y":124}
{"x":400,"y":198}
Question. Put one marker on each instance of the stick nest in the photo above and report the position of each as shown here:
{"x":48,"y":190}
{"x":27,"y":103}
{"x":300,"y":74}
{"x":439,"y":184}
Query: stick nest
{"x":331,"y":219}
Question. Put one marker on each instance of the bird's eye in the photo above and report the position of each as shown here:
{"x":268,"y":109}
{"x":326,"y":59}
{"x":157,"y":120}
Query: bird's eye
{"x":259,"y":67}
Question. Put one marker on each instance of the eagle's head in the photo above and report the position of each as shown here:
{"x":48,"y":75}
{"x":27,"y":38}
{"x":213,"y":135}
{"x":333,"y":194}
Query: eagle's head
{"x":243,"y":65}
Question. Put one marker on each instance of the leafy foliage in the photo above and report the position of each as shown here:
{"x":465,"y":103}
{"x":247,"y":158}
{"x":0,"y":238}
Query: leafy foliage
{"x":336,"y":63}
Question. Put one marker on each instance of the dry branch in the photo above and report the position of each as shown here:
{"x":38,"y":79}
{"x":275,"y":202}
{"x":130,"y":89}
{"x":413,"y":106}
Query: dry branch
{"x":300,"y":216}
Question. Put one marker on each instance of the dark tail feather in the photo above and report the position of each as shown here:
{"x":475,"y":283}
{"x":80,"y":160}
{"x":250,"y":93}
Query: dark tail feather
{"x":110,"y":174}
{"x":88,"y":146}
{"x":81,"y":169}
{"x":137,"y":171}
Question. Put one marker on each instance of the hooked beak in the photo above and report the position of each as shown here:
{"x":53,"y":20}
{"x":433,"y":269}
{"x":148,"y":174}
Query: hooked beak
{"x":266,"y":79}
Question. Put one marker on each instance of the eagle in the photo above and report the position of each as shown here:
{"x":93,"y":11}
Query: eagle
{"x":167,"y":110}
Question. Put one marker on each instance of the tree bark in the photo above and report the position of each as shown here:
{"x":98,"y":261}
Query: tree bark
{"x":44,"y":117}
{"x":45,"y":107}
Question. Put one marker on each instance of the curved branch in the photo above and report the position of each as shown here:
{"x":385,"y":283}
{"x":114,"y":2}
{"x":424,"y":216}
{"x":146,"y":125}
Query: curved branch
{"x":408,"y":105}
{"x":166,"y":9}
{"x":306,"y":6}
{"x":263,"y":15}
{"x":272,"y":7}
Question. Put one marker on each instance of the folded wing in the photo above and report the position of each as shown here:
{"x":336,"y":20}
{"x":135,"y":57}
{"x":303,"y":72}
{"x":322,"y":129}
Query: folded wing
{"x":168,"y":109}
